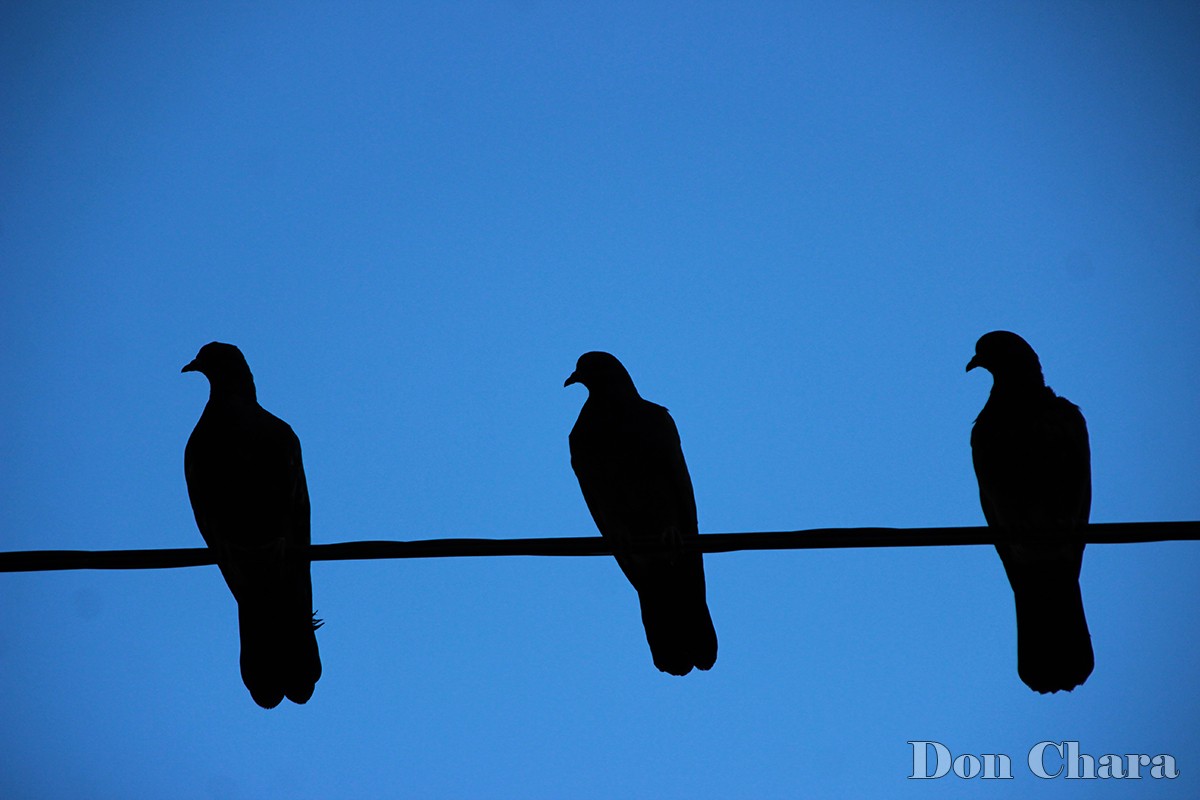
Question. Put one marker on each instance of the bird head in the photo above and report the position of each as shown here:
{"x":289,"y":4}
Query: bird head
{"x":224,"y":366}
{"x":601,"y":373}
{"x":1008,"y":357}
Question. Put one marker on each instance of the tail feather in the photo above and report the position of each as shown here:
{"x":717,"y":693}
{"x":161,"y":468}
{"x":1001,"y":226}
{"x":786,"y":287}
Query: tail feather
{"x":679,"y":628}
{"x":304,"y":662}
{"x":1054,"y":646}
{"x":279,"y":655}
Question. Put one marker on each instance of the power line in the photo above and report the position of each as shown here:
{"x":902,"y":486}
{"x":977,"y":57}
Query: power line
{"x":818,"y":538}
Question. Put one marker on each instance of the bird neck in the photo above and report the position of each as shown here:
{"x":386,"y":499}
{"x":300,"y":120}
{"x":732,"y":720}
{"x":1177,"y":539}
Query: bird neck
{"x":615,"y":393}
{"x":234,"y":391}
{"x":1026,"y":386}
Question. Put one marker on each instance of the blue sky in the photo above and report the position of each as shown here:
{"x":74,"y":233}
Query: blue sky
{"x":790,"y":221}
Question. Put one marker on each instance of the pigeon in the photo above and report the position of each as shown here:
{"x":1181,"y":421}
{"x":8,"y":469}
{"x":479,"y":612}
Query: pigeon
{"x":626,"y":453}
{"x":246,"y":483}
{"x":1032,"y":460}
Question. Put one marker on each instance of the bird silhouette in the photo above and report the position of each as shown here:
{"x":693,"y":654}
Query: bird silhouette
{"x":1032,"y":459}
{"x":246,"y":483}
{"x":627,"y":456}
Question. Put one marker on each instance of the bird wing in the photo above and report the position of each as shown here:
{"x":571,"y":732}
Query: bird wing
{"x":246,"y":482}
{"x":245,"y":478}
{"x":633,"y":476}
{"x":635,"y":481}
{"x":1033,"y":464}
{"x":1069,"y":430}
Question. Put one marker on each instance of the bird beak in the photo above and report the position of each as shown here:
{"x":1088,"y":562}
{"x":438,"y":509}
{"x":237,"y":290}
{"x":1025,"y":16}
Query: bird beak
{"x":191,"y":366}
{"x":574,"y":378}
{"x":973,"y":363}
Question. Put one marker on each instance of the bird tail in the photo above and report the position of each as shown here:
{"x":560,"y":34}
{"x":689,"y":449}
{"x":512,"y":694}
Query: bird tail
{"x":279,"y":655}
{"x":679,"y":628}
{"x":1054,"y":646}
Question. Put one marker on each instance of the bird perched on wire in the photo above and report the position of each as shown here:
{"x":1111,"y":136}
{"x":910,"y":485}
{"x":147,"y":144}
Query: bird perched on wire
{"x":626,"y":454}
{"x":1032,"y":460}
{"x":246,"y":483}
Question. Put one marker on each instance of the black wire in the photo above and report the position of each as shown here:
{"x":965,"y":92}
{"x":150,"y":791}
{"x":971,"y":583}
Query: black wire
{"x":821,"y":538}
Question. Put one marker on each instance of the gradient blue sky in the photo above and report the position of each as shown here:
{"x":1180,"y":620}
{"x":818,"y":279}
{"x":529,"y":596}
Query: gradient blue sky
{"x":790,"y":221}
